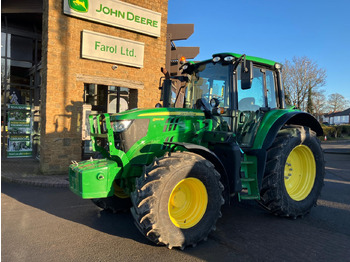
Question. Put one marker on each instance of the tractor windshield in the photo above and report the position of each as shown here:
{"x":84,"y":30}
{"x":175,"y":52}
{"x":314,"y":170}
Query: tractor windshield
{"x":207,"y":81}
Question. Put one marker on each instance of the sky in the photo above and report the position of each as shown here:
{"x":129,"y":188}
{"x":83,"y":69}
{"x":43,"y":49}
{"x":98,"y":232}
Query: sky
{"x":272,"y":29}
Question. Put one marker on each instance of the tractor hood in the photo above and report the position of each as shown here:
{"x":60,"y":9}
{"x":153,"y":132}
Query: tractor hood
{"x":155,"y":113}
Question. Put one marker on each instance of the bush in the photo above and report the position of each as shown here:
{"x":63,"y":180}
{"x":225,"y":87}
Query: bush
{"x":329,"y":131}
{"x":345,"y":130}
{"x":336,"y":131}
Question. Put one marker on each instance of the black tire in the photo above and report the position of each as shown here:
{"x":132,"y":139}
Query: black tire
{"x":116,"y":203}
{"x":156,"y":189}
{"x":291,"y":190}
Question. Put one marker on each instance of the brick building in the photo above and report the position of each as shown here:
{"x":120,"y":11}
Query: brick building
{"x":64,"y":59}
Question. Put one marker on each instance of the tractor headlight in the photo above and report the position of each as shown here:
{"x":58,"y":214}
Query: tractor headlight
{"x":229,"y":58}
{"x":278,"y":66}
{"x":216,"y":59}
{"x":121,"y":126}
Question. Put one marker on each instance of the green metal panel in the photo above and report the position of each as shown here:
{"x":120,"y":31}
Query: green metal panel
{"x":166,"y":125}
{"x":93,"y":178}
{"x":267,"y":122}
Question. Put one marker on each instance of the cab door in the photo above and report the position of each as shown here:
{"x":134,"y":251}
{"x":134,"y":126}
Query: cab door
{"x":253,"y":103}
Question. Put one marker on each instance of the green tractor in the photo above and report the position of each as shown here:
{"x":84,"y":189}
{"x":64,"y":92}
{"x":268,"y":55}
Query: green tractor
{"x":223,"y":131}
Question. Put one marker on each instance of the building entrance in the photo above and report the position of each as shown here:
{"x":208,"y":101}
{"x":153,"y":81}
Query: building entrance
{"x":20,"y":85}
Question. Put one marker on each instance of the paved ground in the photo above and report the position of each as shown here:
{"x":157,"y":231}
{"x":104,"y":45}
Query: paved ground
{"x":336,"y":147}
{"x":52,"y":224}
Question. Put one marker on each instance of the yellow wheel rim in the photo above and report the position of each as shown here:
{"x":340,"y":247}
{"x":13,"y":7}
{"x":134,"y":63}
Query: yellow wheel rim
{"x":187,"y":203}
{"x":300,"y":172}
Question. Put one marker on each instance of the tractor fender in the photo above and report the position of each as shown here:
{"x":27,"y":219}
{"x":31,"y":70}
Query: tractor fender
{"x":212,"y":157}
{"x":292,"y":118}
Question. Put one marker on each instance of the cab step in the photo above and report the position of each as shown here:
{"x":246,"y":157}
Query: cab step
{"x":249,"y":179}
{"x":247,"y":197}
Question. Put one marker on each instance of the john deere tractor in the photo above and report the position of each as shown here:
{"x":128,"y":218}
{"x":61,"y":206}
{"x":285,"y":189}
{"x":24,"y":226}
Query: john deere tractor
{"x":223,"y":132}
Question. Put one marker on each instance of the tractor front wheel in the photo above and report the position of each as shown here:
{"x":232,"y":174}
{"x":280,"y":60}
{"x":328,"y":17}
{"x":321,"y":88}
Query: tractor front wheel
{"x":178,"y":200}
{"x":294,"y":173}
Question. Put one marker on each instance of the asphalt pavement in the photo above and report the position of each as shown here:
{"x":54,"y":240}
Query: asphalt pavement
{"x":44,"y":223}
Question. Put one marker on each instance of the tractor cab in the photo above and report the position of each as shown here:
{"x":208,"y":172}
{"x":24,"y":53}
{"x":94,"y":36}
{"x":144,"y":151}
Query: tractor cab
{"x":235,"y":90}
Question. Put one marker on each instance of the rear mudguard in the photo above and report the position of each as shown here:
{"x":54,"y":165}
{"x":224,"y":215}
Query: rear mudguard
{"x":292,"y":118}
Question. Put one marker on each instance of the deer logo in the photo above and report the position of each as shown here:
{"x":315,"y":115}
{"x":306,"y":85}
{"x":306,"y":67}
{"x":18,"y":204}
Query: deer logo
{"x":81,"y":6}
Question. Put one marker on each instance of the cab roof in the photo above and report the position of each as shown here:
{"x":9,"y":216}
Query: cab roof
{"x":251,"y":58}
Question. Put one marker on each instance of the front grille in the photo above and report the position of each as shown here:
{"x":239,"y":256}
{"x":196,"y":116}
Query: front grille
{"x":171,"y":124}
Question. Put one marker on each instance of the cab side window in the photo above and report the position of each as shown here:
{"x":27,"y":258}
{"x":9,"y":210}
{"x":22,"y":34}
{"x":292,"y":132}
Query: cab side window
{"x":271,"y":89}
{"x":254,"y":98}
{"x":251,"y":99}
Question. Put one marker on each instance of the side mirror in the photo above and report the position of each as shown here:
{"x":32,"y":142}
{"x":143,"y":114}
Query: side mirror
{"x":246,"y":75}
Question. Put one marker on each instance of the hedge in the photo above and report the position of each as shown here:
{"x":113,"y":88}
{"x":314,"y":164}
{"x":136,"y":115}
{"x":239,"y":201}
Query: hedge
{"x":336,"y":131}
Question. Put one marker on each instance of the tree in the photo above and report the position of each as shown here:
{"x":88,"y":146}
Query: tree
{"x":319,"y":103}
{"x":310,"y":104}
{"x":337,"y":102}
{"x":301,"y":77}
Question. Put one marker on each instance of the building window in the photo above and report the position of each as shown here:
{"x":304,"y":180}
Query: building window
{"x":109,"y":99}
{"x":104,"y":99}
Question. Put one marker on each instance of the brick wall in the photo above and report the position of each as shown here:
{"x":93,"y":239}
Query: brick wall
{"x":63,"y":89}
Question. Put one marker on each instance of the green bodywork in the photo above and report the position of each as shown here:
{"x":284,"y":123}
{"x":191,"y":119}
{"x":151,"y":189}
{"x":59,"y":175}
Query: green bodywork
{"x":165,"y":125}
{"x":94,"y":178}
{"x":91,"y":179}
{"x":152,"y":133}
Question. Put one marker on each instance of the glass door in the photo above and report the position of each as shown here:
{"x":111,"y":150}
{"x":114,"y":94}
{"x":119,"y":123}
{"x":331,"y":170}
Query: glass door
{"x":20,"y":91}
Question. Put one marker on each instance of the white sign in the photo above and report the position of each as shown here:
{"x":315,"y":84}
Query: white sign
{"x":112,"y":49}
{"x":116,"y":13}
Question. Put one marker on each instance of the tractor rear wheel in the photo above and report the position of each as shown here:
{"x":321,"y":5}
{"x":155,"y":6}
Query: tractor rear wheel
{"x":178,"y":200}
{"x":116,"y":203}
{"x":294,"y":173}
